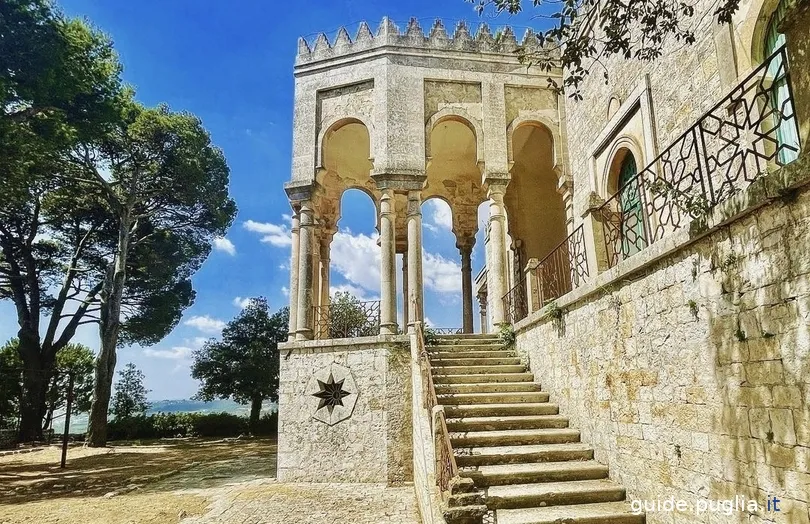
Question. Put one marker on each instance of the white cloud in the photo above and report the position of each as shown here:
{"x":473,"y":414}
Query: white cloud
{"x":429,"y":322}
{"x":277,"y":235}
{"x":357,"y":259}
{"x":441,"y":216}
{"x":241,"y":303}
{"x":175,"y":353}
{"x":225,"y":245}
{"x":206,"y":324}
{"x":285,"y":291}
{"x":440,"y":274}
{"x":358,"y":292}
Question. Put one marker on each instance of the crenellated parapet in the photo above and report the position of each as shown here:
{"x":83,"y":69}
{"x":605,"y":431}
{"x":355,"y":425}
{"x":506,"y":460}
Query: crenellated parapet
{"x":388,"y":34}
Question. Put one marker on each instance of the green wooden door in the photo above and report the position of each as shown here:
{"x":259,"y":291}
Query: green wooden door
{"x":787,"y":135}
{"x":632,"y":226}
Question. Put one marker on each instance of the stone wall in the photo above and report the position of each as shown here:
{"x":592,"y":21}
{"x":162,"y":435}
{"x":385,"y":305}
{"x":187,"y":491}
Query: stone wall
{"x":688,"y":368}
{"x":373,"y":444}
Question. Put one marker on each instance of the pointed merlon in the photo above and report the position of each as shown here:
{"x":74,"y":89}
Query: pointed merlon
{"x":462,"y":31}
{"x":414,"y":31}
{"x":387,"y":28}
{"x":507,"y":40}
{"x":486,"y":42}
{"x":303,"y":47}
{"x":321,"y":44}
{"x":342,"y":40}
{"x":363,"y":33}
{"x":438,"y":35}
{"x":530,"y":39}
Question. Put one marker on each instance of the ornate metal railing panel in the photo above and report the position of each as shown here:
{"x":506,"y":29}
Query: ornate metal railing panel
{"x":751,"y":130}
{"x":563,"y":269}
{"x":446,"y":330}
{"x":515,"y":305}
{"x":349,"y":320}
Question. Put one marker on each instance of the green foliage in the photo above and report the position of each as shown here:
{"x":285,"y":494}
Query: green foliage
{"x":587,"y":32}
{"x":348,"y":318}
{"x":431,"y":337}
{"x":740,"y":335}
{"x":557,"y":316}
{"x":693,"y":308}
{"x":173,"y":425}
{"x":130,"y":393}
{"x":506,"y":334}
{"x":244,"y":365}
{"x":74,"y":358}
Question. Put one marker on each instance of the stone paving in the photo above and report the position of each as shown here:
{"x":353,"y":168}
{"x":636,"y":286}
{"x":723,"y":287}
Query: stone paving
{"x":243,"y":491}
{"x":266,"y":501}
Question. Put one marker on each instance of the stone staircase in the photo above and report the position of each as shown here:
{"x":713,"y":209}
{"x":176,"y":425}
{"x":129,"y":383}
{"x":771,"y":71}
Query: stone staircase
{"x":512,"y":442}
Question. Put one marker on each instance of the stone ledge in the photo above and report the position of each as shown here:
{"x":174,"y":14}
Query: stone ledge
{"x":343,"y":344}
{"x":763,"y":191}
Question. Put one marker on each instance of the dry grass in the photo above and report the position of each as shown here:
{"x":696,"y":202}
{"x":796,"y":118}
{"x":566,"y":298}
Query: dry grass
{"x":34,"y":489}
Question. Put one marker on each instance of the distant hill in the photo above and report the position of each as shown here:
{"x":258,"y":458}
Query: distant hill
{"x":78,"y":423}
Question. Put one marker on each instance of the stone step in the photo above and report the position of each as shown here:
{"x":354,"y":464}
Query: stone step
{"x":602,"y":513}
{"x":447,"y":378}
{"x":472,"y":354}
{"x":463,"y":345}
{"x":493,"y":455}
{"x":501,"y":423}
{"x":488,"y":362}
{"x":554,"y":494}
{"x":513,"y":437}
{"x":469,"y":336}
{"x":536,"y":472}
{"x":493,"y":398}
{"x":479,"y":370}
{"x":501,"y":410}
{"x":488,"y":387}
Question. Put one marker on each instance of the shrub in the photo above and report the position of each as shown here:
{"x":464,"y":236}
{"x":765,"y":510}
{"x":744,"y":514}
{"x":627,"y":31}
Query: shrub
{"x":173,"y":425}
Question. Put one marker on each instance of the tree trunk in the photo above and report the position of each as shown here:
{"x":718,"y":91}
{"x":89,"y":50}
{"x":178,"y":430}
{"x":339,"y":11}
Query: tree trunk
{"x":255,"y":411}
{"x":112,"y":295}
{"x":34,"y":389}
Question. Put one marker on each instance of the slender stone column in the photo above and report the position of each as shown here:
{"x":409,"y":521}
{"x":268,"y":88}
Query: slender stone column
{"x":294,"y":229}
{"x":326,"y":242}
{"x":405,"y":288}
{"x":482,"y":307}
{"x":496,"y":272}
{"x":315,"y":310}
{"x":416,"y":313}
{"x":466,"y":285}
{"x":306,"y":239}
{"x":388,"y":264}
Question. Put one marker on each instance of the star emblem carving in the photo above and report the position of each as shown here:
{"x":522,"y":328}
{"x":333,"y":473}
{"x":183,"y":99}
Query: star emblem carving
{"x":331,"y":393}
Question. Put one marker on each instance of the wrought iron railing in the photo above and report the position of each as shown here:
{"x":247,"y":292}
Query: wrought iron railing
{"x":446,"y":467}
{"x":446,"y":330}
{"x":750,"y":130}
{"x":563,"y":269}
{"x":347,"y":320}
{"x":515,"y":305}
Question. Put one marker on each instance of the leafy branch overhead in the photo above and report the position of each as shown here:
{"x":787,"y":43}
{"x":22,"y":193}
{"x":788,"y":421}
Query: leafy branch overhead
{"x":586,"y":32}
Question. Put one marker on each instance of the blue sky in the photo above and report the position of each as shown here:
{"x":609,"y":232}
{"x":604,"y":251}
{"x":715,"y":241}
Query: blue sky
{"x":231,"y":63}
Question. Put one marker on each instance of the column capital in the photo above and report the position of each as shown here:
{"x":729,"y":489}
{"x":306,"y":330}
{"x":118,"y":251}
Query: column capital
{"x":400,"y":182}
{"x":497,"y":189}
{"x":414,"y":202}
{"x":465,"y":244}
{"x":298,"y":191}
{"x":594,"y":202}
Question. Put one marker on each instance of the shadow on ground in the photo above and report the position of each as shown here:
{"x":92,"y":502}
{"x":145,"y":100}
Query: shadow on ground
{"x":164,"y":465}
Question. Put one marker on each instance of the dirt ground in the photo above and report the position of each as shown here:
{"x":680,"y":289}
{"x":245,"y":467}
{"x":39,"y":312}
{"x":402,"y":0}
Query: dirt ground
{"x":126,"y":484}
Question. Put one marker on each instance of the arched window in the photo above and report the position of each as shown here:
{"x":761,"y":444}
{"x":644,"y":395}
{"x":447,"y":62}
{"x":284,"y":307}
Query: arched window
{"x":786,"y":133}
{"x":632,"y":217}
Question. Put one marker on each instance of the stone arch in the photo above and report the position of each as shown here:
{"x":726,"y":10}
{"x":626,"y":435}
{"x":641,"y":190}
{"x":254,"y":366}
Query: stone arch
{"x":535,"y":209}
{"x":618,"y":151}
{"x":334,"y":124}
{"x":536,"y":119}
{"x":460,"y":115}
{"x":755,"y":45}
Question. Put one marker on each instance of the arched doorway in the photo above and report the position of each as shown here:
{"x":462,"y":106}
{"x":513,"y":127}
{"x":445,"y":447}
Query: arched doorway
{"x":625,"y":184}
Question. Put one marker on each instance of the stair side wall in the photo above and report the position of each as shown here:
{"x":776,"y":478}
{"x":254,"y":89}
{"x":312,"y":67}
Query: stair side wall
{"x":690,"y":376}
{"x":374,"y":444}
